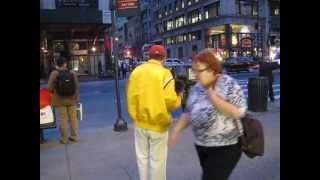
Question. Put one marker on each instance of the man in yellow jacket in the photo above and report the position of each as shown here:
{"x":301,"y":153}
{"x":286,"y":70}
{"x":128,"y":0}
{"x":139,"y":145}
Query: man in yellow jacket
{"x":151,"y":99}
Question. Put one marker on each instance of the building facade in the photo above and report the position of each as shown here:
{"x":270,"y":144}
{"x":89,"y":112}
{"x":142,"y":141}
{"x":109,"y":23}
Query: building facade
{"x":230,"y":27}
{"x":274,"y":28}
{"x":75,"y":29}
{"x":138,"y":29}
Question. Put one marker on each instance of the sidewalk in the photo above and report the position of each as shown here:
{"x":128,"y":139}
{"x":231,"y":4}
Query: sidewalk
{"x":104,"y":154}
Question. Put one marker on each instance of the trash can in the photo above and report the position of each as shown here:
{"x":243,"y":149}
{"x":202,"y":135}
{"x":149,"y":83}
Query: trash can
{"x":258,"y":94}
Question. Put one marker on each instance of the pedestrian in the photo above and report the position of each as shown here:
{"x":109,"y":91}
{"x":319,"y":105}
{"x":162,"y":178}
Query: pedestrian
{"x":265,"y":70}
{"x":151,"y":97}
{"x":124,"y":69}
{"x":65,"y":88}
{"x":100,"y":69}
{"x":214,"y":106}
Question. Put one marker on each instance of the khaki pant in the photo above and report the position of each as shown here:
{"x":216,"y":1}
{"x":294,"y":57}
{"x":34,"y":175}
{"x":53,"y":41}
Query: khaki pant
{"x":151,"y":147}
{"x":68,"y":113}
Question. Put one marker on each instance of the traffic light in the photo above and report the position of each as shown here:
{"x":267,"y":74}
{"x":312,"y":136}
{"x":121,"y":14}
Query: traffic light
{"x":128,"y":53}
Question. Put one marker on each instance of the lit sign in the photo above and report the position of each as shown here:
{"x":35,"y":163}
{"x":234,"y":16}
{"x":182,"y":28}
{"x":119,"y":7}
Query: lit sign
{"x":127,"y":7}
{"x":127,"y":4}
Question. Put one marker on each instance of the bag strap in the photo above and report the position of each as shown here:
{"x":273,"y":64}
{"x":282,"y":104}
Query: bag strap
{"x":237,"y":121}
{"x":167,"y":82}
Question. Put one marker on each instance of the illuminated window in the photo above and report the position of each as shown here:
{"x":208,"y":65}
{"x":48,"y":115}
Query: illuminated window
{"x":179,"y":39}
{"x":169,"y":40}
{"x":179,"y":21}
{"x":211,"y":10}
{"x":189,"y":2}
{"x":182,"y":4}
{"x":165,"y":11}
{"x":234,"y":40}
{"x":194,"y":17}
{"x":277,"y":12}
{"x":176,"y":6}
{"x":169,"y":25}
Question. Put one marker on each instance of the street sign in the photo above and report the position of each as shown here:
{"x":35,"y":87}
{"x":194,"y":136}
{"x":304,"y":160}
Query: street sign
{"x":127,"y":7}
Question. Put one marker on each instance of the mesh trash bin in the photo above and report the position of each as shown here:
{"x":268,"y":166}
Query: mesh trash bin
{"x":258,"y":94}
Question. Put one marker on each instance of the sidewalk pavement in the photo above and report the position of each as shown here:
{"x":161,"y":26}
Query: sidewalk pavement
{"x":104,"y":154}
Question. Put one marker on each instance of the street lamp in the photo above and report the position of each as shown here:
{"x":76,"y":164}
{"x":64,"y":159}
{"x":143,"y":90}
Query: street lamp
{"x":120,"y":124}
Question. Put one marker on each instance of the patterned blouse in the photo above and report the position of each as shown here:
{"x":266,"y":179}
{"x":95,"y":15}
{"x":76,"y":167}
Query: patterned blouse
{"x":210,"y":126}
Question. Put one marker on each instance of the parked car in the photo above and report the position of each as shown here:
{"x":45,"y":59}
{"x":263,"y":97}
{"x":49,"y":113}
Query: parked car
{"x":234,"y":64}
{"x":173,"y":62}
{"x":277,"y":59}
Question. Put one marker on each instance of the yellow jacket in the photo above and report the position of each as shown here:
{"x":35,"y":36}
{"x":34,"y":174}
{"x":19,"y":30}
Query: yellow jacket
{"x":151,"y":96}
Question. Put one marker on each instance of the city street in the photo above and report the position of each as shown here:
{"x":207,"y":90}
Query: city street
{"x":88,"y":37}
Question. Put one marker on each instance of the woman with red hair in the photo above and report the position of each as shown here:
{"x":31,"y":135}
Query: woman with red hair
{"x":215,"y":104}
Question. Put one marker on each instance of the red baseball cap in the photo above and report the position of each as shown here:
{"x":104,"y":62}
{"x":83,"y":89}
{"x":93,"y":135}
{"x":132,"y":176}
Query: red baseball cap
{"x":158,"y":49}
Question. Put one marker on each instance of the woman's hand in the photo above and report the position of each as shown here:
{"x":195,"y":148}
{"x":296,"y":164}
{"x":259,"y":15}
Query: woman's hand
{"x":222,"y":105}
{"x":182,"y":123}
{"x":212,"y":93}
{"x":173,"y":139}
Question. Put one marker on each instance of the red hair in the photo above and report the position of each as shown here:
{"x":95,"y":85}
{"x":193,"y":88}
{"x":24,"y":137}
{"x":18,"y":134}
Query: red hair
{"x":206,"y":56}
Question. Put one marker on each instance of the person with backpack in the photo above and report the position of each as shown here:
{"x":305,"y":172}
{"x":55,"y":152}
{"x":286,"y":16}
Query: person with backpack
{"x":64,"y":85}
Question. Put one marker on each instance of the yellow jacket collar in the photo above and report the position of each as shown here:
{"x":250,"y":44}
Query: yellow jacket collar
{"x":153,"y":61}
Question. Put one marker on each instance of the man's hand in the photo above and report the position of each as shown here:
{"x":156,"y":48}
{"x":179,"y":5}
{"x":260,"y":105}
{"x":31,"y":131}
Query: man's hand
{"x":179,"y":86}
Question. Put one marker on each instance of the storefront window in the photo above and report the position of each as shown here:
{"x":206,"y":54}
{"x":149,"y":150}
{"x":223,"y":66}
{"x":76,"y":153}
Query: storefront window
{"x":235,"y":40}
{"x":80,"y":64}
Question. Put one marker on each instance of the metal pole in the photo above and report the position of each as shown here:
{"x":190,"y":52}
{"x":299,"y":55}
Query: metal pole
{"x":120,"y":124}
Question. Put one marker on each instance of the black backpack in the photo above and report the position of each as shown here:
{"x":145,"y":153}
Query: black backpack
{"x":66,"y":85}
